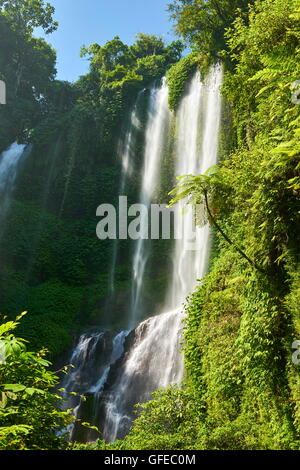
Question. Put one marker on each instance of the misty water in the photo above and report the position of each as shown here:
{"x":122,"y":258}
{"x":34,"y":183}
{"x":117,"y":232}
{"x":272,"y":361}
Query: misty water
{"x":10,"y":160}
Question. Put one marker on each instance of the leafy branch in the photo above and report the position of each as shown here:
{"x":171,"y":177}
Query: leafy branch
{"x":208,"y":193}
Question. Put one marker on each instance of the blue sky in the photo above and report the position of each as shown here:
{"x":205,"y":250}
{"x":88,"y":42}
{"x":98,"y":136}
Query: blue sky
{"x":83,"y":22}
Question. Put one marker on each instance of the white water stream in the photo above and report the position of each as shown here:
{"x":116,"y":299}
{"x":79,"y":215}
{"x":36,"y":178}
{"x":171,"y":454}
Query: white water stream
{"x":9,"y":161}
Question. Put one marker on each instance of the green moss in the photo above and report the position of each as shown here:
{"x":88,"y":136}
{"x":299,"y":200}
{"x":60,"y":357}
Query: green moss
{"x":177,"y":77}
{"x":52,"y":319}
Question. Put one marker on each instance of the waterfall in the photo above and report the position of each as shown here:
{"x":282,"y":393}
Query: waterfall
{"x":9,"y":161}
{"x":157,"y":125}
{"x":151,"y":356}
{"x":198,"y":122}
{"x":91,"y":361}
{"x":153,"y":359}
{"x":126,"y":155}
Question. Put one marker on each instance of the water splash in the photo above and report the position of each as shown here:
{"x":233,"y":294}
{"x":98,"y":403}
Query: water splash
{"x":91,"y":361}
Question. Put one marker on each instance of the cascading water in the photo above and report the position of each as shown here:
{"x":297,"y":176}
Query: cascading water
{"x":152,"y":360}
{"x":152,"y":357}
{"x":158,"y":119}
{"x":91,"y":359}
{"x":126,"y":152}
{"x":198,"y":122}
{"x":9,"y":161}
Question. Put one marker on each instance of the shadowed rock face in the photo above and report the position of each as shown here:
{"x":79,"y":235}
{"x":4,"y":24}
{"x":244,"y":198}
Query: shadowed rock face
{"x":93,"y":409}
{"x":116,"y":408}
{"x":89,"y":360}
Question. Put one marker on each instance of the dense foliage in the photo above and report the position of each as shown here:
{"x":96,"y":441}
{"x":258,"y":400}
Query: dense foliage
{"x":27,"y":65}
{"x":29,"y":416}
{"x":241,"y":390}
{"x":203,"y":22}
{"x":177,"y":77}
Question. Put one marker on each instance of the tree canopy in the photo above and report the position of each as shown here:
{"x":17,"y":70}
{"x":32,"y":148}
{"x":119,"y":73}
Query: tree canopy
{"x":203,"y":22}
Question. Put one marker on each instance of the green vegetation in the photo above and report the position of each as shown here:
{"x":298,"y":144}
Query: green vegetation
{"x":178,"y":76}
{"x":29,"y":416}
{"x":241,"y":389}
{"x":27,"y":65}
{"x":203,"y":22}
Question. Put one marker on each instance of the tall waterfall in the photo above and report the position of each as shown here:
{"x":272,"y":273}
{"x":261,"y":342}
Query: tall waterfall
{"x":151,"y":356}
{"x":198,"y":122}
{"x":126,"y":154}
{"x":158,"y":118}
{"x":9,"y":161}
